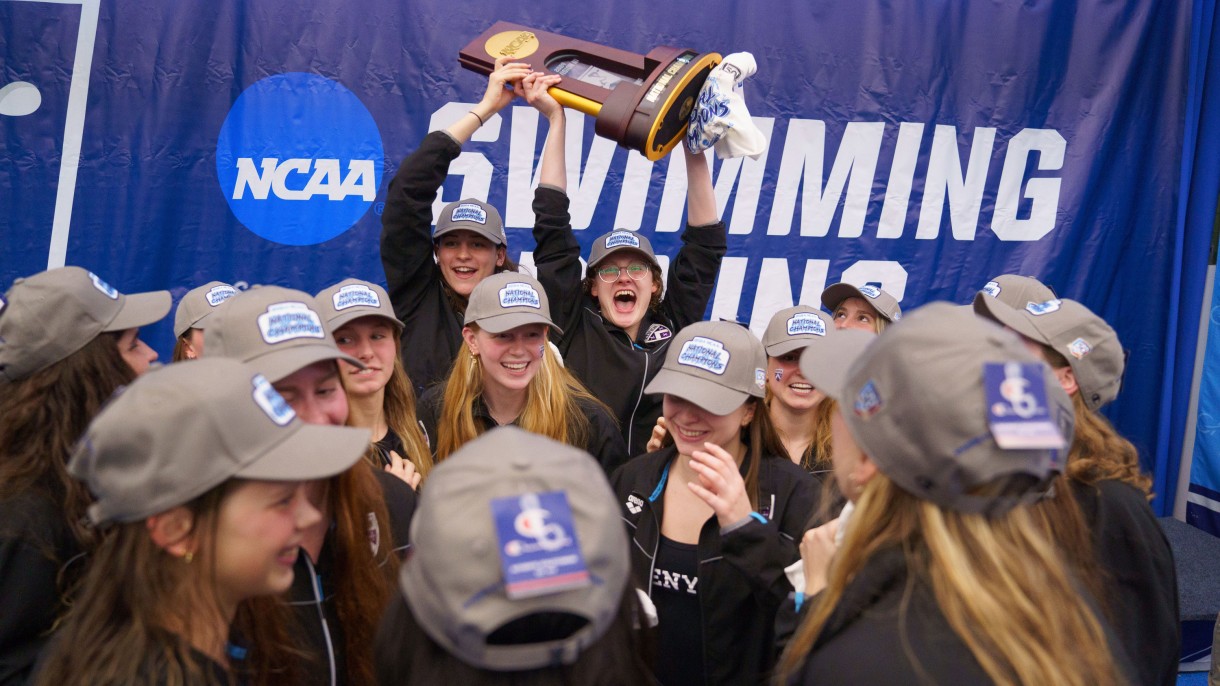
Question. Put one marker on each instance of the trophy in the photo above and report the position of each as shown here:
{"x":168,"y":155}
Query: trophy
{"x":643,"y":102}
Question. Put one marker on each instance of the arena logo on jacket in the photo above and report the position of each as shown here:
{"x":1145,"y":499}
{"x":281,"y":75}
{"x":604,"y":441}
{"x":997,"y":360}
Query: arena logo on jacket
{"x":299,"y":159}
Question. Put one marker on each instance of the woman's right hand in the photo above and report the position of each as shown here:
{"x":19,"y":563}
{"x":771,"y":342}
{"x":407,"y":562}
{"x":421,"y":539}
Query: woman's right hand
{"x":405,"y":470}
{"x":658,"y":435}
{"x":501,"y":86}
{"x":535,"y":87}
{"x":817,"y":549}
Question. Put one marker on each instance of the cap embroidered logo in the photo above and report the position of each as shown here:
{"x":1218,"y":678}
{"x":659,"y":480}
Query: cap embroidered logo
{"x":1038,"y":309}
{"x":806,"y":323}
{"x":103,"y":286}
{"x":1079,"y":348}
{"x":871,"y":291}
{"x":219,"y":294}
{"x":519,"y":294}
{"x":868,"y":401}
{"x":621,"y":238}
{"x":288,"y":321}
{"x":706,"y":354}
{"x":355,"y":295}
{"x":271,"y":402}
{"x":469,"y":212}
{"x":993,"y":289}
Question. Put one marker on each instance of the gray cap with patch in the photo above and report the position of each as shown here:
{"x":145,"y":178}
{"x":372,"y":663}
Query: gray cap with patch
{"x":179,"y":431}
{"x":619,"y":240}
{"x":1014,"y":291}
{"x":507,"y":300}
{"x":471,"y":214}
{"x":714,"y":365}
{"x":277,"y":330}
{"x":885,"y":304}
{"x":1069,"y":328}
{"x":794,"y":328}
{"x":352,"y":299}
{"x":46,"y":317}
{"x":946,"y":403}
{"x":198,"y":304}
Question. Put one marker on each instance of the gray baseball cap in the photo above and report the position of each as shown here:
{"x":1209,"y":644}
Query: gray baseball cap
{"x":181,"y":430}
{"x":507,"y":300}
{"x":1069,"y":328}
{"x":885,"y":304}
{"x":946,"y":402}
{"x":619,"y":240}
{"x":715,"y":365}
{"x":1014,"y":291}
{"x":470,"y":214}
{"x":794,"y":328}
{"x":46,"y":317}
{"x":352,"y":299}
{"x":277,"y":330}
{"x":824,"y":363}
{"x":455,"y":581}
{"x":198,"y":304}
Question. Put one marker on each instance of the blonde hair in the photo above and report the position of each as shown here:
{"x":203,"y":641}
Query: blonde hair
{"x":1001,"y":585}
{"x":551,"y":406}
{"x":816,"y":457}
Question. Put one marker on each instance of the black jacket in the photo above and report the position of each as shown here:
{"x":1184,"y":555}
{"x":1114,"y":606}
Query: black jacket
{"x":613,"y":367}
{"x":603,"y":441}
{"x":741,"y":573}
{"x":433,"y":327}
{"x":39,"y":558}
{"x":312,"y":596}
{"x":1133,"y":554}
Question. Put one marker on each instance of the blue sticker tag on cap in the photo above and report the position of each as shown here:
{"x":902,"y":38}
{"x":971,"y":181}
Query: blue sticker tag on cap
{"x":1017,"y":411}
{"x":539,"y":551}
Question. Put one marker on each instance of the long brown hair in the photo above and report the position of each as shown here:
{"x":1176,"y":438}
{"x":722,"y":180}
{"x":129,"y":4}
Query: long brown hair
{"x":134,"y":597}
{"x":816,"y":457}
{"x":551,"y":407}
{"x":1001,"y":585}
{"x":43,"y":415}
{"x":365,"y":580}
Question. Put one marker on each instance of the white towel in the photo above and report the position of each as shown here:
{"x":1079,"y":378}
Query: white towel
{"x":720,"y":117}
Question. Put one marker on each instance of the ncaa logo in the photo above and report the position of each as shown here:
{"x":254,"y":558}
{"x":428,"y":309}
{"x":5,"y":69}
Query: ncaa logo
{"x":299,"y":159}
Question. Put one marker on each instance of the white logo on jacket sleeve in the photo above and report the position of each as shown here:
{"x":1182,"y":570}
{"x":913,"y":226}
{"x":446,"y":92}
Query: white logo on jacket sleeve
{"x":519,"y":294}
{"x":806,"y":323}
{"x":288,"y":321}
{"x":469,"y":212}
{"x":621,"y":238}
{"x":657,"y":332}
{"x":704,"y":353}
{"x":635,"y":504}
{"x":355,"y":295}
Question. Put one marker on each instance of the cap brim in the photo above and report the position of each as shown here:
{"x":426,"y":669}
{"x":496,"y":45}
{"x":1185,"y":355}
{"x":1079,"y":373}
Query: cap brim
{"x":141,"y":309}
{"x":832,"y":296}
{"x":351,"y":316}
{"x":709,"y":395}
{"x":499,"y":323}
{"x":311,"y":452}
{"x":651,"y":259}
{"x":277,"y":364}
{"x":473,"y":228}
{"x":785,"y":347}
{"x":827,"y":364}
{"x":1006,"y":315}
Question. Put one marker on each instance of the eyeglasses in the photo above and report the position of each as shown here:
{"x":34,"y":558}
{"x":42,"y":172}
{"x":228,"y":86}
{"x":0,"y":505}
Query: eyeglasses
{"x":636,"y":270}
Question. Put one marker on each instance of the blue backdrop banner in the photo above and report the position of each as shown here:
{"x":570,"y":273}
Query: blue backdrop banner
{"x":923,"y":146}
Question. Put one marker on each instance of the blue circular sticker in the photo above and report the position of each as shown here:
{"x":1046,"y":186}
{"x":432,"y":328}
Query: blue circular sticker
{"x":299,"y":159}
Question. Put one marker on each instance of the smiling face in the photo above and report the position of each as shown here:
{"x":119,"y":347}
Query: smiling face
{"x":509,"y":360}
{"x":855,"y":313}
{"x":259,"y":531}
{"x":691,"y":426}
{"x":624,"y":299}
{"x":315,"y":394}
{"x":136,"y":353}
{"x":466,"y":258}
{"x":788,"y":385}
{"x":370,"y":340}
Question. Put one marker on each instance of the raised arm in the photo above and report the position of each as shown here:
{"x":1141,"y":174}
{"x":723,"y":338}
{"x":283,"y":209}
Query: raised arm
{"x":502,"y":85}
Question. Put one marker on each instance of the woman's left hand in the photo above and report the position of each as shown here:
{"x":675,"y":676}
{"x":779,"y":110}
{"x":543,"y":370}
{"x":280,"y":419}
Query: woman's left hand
{"x":720,"y":484}
{"x":404,"y":469}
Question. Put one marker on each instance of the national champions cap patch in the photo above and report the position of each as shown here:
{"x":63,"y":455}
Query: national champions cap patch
{"x":355,"y":295}
{"x":219,"y":294}
{"x":518,"y":294}
{"x":871,"y":291}
{"x":622,"y":238}
{"x":469,"y":212}
{"x":1038,"y":309}
{"x":706,"y":354}
{"x":271,"y":402}
{"x":104,"y":287}
{"x":288,"y":321}
{"x":806,"y":323}
{"x":992,"y":288}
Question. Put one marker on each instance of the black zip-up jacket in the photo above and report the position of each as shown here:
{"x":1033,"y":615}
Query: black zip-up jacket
{"x":433,"y":327}
{"x":741,"y":573}
{"x":39,"y":557}
{"x":603,"y":441}
{"x":612,"y":366}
